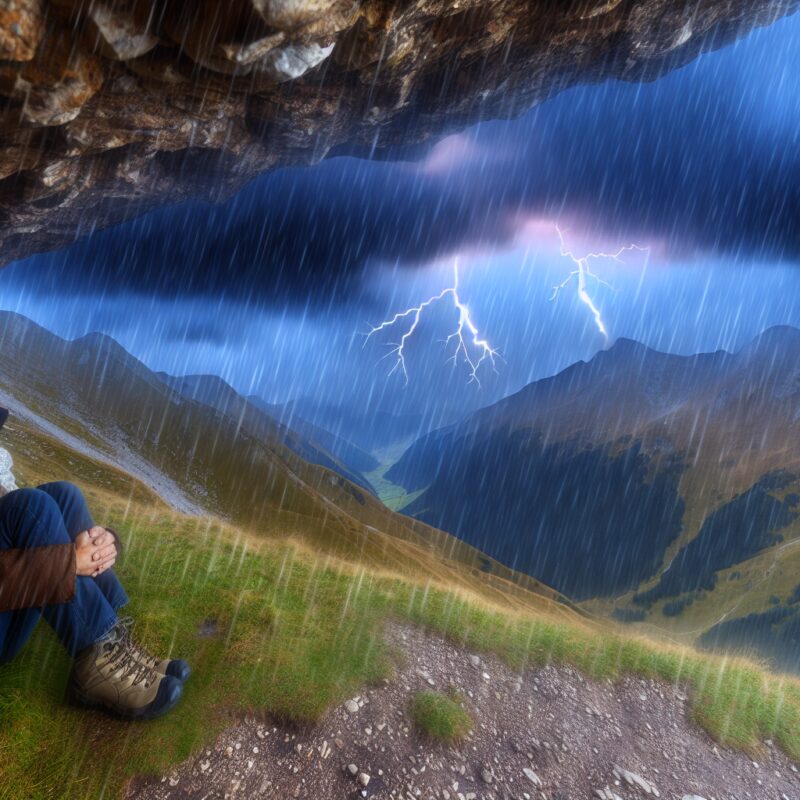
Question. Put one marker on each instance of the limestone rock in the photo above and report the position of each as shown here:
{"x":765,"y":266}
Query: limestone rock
{"x":634,"y":779}
{"x":532,"y":776}
{"x":351,"y":706}
{"x":122,"y":31}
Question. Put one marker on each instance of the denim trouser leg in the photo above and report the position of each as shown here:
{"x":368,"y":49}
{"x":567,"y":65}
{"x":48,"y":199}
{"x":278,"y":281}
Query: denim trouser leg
{"x":33,"y":518}
{"x":77,"y":519}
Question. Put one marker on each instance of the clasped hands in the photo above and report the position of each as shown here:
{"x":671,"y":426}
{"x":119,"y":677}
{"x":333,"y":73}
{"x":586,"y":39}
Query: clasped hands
{"x":95,"y":551}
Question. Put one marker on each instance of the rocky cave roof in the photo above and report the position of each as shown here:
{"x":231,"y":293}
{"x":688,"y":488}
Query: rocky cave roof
{"x":112,"y":107}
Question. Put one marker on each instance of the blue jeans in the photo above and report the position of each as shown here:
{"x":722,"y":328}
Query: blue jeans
{"x":56,"y":513}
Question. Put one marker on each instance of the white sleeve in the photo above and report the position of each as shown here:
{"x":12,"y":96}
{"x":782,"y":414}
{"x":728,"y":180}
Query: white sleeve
{"x":7,"y":481}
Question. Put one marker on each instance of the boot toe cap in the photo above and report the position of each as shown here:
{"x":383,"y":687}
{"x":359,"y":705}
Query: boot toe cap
{"x":169,"y":693}
{"x":179,"y":669}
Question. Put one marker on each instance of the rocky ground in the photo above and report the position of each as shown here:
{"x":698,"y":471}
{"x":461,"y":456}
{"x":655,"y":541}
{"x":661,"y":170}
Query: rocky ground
{"x":547,"y":734}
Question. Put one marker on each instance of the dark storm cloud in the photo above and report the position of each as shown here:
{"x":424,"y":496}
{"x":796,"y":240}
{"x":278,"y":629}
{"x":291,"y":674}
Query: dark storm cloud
{"x":284,"y":235}
{"x":707,"y":158}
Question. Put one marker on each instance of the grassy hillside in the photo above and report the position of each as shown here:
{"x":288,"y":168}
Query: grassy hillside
{"x":310,"y":443}
{"x":273,"y":625}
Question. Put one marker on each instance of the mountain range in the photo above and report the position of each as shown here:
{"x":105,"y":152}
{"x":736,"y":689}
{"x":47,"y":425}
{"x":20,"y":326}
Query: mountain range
{"x":207,"y":451}
{"x":661,"y":490}
{"x":262,"y":420}
{"x":370,"y":426}
{"x":656,"y":487}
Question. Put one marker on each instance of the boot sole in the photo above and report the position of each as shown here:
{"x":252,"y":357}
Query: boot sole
{"x":169,"y":697}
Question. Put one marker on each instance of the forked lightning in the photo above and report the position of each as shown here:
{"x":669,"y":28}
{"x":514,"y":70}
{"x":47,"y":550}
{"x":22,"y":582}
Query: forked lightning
{"x":469,"y":344}
{"x":583,"y":272}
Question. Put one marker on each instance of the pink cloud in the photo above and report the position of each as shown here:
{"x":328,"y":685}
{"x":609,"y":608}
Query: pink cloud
{"x":582,"y":236}
{"x":455,"y":152}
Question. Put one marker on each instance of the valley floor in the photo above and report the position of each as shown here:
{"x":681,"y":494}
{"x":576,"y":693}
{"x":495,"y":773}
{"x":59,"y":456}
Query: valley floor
{"x":547,"y":733}
{"x":392,"y":494}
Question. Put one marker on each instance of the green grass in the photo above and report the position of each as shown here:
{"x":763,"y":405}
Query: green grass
{"x":294,"y":635}
{"x":391,"y":494}
{"x":440,"y":716}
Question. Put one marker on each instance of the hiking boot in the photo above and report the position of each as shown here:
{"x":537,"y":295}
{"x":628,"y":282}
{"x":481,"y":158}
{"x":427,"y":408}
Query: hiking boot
{"x":176,"y":667}
{"x":108,"y":674}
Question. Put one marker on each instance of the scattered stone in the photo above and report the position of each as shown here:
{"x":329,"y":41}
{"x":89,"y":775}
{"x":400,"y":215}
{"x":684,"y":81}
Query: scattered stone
{"x":352,"y":706}
{"x":532,"y":776}
{"x":632,"y":779}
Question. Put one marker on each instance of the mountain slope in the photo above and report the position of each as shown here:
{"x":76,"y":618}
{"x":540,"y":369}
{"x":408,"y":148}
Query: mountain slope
{"x":664,"y":470}
{"x":350,"y":454}
{"x":278,"y":631}
{"x":301,"y":438}
{"x":372,"y":429}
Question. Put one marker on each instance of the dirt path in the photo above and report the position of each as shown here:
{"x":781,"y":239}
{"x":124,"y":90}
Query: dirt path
{"x":124,"y":458}
{"x":548,"y":734}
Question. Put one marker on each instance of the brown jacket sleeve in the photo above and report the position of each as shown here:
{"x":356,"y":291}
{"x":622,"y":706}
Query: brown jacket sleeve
{"x":37,"y":576}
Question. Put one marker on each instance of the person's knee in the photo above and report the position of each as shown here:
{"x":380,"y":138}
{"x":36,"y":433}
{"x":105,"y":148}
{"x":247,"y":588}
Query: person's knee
{"x":29,"y":503}
{"x":62,"y":491}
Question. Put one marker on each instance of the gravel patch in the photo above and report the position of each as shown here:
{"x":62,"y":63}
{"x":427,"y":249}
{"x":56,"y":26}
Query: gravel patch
{"x":546,"y":734}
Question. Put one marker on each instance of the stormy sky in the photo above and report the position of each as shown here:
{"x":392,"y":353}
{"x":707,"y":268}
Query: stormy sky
{"x":276,"y":289}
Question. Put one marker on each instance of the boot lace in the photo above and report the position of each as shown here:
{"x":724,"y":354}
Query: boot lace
{"x":126,"y":623}
{"x":124,"y":658}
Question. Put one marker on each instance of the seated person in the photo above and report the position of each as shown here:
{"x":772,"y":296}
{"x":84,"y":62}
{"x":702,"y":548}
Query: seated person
{"x":56,"y":563}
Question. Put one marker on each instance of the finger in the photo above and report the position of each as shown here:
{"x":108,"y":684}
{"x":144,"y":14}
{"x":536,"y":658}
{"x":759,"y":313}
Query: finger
{"x":83,"y":539}
{"x":103,"y":553}
{"x":102,"y":538}
{"x":104,"y":567}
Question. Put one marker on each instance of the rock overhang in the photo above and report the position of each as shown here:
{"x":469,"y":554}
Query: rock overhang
{"x":113,"y":107}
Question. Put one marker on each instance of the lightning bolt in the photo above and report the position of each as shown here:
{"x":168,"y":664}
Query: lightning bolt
{"x":466,"y":332}
{"x":582,"y":272}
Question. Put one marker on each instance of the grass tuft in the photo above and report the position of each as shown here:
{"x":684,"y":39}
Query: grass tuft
{"x":441,"y":716}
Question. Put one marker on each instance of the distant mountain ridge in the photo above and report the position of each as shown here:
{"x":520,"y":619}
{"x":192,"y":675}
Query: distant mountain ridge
{"x":308,"y":441}
{"x":371,"y":427}
{"x":638,"y":475}
{"x":356,"y":458}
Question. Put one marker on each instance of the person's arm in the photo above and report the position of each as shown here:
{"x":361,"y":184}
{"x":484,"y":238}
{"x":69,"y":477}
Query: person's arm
{"x":37,"y":576}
